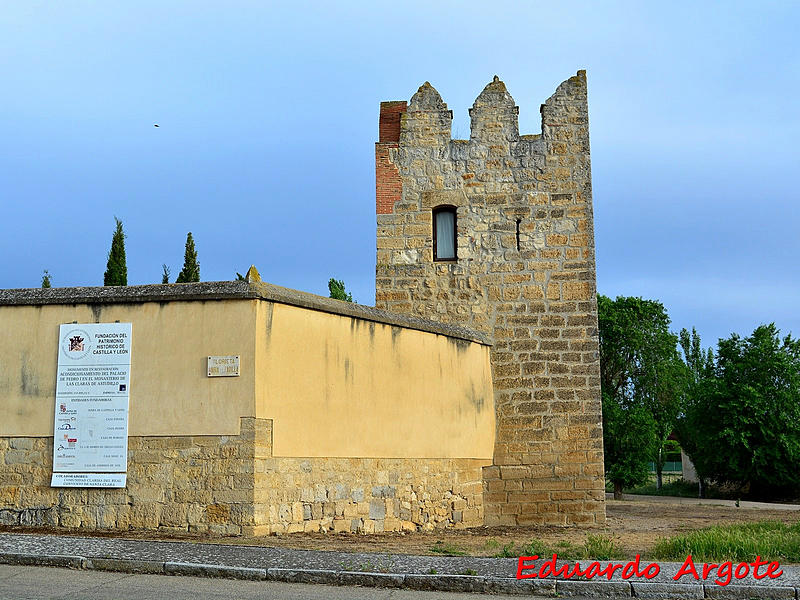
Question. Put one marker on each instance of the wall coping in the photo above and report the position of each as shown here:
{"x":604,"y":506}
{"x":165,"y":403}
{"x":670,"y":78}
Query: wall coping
{"x":229,"y":290}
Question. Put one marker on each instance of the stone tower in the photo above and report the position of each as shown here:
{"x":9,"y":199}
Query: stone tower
{"x":495,"y":233}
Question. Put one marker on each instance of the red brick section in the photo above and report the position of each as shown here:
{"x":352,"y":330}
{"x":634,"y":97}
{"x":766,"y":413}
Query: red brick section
{"x":388,"y":185}
{"x":389,"y":123}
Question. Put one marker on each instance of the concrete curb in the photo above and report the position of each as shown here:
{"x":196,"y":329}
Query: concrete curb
{"x":322,"y":576}
{"x":593,"y":589}
{"x":668,"y":591}
{"x":382,"y":580}
{"x":225,"y":572}
{"x":416,"y":581}
{"x":45,"y":560}
{"x":736,"y":592}
{"x":445,"y":583}
{"x":124,"y":565}
{"x":521,"y":587}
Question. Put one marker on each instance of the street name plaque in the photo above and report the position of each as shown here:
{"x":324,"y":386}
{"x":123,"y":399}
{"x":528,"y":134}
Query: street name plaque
{"x":223,"y":366}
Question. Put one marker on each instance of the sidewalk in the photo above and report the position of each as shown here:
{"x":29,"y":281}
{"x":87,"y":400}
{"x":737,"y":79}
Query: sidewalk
{"x":440,"y":573}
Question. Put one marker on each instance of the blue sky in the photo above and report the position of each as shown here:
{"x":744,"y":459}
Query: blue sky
{"x":268,"y":115}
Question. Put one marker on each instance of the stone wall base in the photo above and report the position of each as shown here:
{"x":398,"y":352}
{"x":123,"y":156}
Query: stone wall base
{"x":370,"y":494}
{"x":531,"y":495}
{"x":232,"y":485}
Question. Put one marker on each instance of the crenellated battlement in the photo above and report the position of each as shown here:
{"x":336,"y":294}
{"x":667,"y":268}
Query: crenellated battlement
{"x":496,"y":233}
{"x":494,"y":116}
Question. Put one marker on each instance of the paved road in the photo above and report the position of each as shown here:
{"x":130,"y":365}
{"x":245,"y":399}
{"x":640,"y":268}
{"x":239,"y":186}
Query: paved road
{"x":17,"y":583}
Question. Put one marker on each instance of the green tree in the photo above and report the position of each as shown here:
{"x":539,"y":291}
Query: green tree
{"x":665,"y":401}
{"x":700,"y":363}
{"x":643,"y":380}
{"x":191,"y":268}
{"x":690,"y":424}
{"x":46,"y":279}
{"x":337,"y":291}
{"x":629,"y":434}
{"x":164,"y":273}
{"x":116,"y":268}
{"x":748,"y":415}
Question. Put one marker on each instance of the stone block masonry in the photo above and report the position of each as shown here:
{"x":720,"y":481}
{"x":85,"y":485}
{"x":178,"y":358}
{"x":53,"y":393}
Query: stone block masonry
{"x":524,"y":274}
{"x":232,"y":485}
{"x":370,"y":495}
{"x":202,"y":484}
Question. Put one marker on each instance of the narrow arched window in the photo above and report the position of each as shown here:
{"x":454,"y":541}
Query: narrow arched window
{"x":444,"y":233}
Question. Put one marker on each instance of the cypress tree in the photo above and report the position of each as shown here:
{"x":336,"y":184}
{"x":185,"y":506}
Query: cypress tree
{"x":191,"y":268}
{"x":116,"y":268}
{"x":46,"y":279}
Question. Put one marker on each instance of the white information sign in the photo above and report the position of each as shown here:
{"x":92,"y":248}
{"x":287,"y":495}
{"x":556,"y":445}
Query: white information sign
{"x":90,"y":444}
{"x":223,"y":366}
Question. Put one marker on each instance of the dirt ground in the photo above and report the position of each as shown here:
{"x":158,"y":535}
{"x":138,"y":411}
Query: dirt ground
{"x":635,"y":525}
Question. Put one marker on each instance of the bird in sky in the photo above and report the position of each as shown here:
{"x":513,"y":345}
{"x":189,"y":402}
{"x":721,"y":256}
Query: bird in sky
{"x":156,"y":125}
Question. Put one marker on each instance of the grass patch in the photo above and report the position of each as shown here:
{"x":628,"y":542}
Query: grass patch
{"x":507,"y":552}
{"x":771,"y":540}
{"x":596,"y":546}
{"x":602,"y":547}
{"x":567,"y":550}
{"x":447,"y":549}
{"x":535,"y":547}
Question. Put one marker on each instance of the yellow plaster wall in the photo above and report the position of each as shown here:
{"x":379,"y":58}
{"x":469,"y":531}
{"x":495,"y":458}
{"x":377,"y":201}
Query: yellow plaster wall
{"x":337,"y":386}
{"x":170,"y":393}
